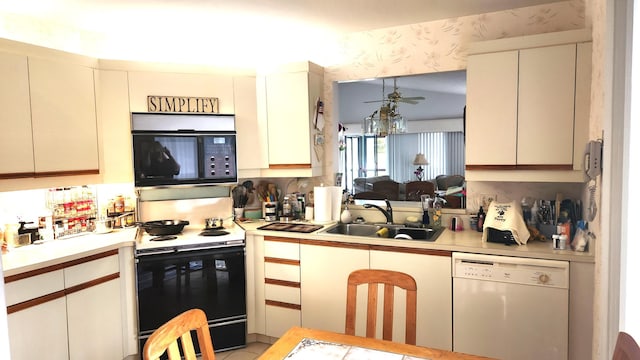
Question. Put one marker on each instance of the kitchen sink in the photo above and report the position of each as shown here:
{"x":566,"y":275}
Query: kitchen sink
{"x":371,"y":230}
{"x":355,"y":229}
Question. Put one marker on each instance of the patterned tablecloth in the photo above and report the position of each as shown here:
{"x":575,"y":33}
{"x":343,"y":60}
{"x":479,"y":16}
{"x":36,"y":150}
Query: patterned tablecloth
{"x":309,"y":349}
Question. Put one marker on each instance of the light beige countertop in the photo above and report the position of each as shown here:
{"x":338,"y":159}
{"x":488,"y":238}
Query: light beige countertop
{"x":461,"y":241}
{"x":32,"y":257}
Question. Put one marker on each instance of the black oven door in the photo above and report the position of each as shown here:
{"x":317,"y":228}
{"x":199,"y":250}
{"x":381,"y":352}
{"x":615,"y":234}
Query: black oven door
{"x":212,"y":280}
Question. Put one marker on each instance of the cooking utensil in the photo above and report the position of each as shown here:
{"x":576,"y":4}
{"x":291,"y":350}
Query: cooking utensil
{"x":164,"y":227}
{"x":103,"y":226}
{"x":239,"y":195}
{"x":213,"y":223}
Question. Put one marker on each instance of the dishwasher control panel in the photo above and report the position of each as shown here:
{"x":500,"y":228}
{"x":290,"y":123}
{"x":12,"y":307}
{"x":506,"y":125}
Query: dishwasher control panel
{"x":507,"y":269}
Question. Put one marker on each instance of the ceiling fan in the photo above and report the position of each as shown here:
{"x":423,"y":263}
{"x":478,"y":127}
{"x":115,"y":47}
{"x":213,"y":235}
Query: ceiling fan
{"x":395,"y":97}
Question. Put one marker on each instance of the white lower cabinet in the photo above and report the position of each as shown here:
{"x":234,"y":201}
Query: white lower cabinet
{"x":281,"y":284}
{"x":95,"y":322}
{"x":324,"y":271}
{"x":39,"y":332}
{"x":73,"y":310}
{"x":432,"y":272}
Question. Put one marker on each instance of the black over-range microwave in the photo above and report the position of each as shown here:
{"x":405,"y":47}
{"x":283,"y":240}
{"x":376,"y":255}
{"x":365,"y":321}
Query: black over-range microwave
{"x":183,"y":149}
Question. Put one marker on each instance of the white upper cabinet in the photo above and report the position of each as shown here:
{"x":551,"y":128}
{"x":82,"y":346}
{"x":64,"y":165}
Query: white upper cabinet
{"x":15,"y":119}
{"x":528,"y":108}
{"x":290,"y":96}
{"x":114,"y":123}
{"x":252,"y":148}
{"x":492,"y":108}
{"x":63,"y":115}
{"x":546,"y":98}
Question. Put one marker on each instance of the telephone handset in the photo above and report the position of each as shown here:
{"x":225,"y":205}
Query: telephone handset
{"x":593,"y":159}
{"x":593,"y":168}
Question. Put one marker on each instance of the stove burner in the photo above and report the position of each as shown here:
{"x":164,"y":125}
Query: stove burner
{"x":163,"y":238}
{"x":213,"y":232}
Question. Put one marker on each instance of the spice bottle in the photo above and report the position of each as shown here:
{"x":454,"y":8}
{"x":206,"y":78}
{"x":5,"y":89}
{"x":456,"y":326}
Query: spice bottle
{"x":481,"y":216}
{"x":286,"y":207}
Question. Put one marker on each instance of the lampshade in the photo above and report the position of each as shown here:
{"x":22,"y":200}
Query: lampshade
{"x":420,"y":160}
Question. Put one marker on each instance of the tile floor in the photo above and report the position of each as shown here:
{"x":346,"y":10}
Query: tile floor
{"x":251,"y":352}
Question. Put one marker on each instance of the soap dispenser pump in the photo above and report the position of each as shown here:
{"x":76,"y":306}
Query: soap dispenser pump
{"x":345,"y":216}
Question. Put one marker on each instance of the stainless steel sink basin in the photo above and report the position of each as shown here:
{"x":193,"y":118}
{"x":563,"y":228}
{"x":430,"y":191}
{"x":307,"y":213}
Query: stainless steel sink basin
{"x":371,"y":230}
{"x":355,"y":229}
{"x":424,"y":234}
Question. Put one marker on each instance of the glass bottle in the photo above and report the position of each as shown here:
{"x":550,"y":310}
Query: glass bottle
{"x":286,"y":207}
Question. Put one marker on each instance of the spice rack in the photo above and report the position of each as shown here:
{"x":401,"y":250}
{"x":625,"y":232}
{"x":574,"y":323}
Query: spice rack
{"x":72,"y":209}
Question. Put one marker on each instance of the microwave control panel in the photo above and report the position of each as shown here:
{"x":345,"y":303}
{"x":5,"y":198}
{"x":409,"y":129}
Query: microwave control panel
{"x":220,"y":157}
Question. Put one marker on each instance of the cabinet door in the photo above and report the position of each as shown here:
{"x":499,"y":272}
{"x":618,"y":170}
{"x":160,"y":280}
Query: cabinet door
{"x":94,"y":309}
{"x":289,"y":119}
{"x":15,"y":119}
{"x":583,"y":103}
{"x":95,"y":322}
{"x":114,"y":121}
{"x":39,"y":331}
{"x":547,"y":80}
{"x":492,"y":113}
{"x":252,"y":146}
{"x":324,"y":272}
{"x":433,"y":279}
{"x":63,"y":116}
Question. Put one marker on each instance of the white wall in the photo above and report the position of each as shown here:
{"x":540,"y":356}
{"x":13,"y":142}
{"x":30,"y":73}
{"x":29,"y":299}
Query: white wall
{"x":630,"y":245}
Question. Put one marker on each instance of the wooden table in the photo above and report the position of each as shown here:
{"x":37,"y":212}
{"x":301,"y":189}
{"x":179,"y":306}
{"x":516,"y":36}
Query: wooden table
{"x":290,"y":340}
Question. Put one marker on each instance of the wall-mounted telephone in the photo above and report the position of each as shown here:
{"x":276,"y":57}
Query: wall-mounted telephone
{"x":593,"y":168}
{"x":593,"y":159}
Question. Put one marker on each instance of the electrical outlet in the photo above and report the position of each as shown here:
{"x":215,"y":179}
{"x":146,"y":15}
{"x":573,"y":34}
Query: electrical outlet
{"x":486,"y":199}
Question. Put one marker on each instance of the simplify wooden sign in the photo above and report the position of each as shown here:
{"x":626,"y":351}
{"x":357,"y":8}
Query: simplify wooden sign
{"x":182,"y":104}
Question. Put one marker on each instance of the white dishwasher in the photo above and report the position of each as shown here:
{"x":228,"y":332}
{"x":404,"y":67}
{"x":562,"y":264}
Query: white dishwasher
{"x":509,"y":307}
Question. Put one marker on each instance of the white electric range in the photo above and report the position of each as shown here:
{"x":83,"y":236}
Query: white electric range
{"x":191,"y":239}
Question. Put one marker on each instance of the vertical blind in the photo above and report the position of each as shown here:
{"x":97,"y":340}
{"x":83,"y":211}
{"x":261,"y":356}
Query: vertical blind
{"x":444,"y":152}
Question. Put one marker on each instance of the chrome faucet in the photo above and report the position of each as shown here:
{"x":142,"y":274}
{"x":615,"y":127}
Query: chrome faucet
{"x":387,"y":213}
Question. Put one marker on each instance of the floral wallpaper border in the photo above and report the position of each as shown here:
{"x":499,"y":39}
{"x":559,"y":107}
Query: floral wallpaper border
{"x":434,"y":47}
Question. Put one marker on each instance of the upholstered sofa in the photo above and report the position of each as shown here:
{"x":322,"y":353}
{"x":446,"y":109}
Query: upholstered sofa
{"x":366,"y":184}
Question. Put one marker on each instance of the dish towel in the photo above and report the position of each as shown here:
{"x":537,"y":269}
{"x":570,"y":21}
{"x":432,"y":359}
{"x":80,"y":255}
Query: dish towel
{"x":506,"y":217}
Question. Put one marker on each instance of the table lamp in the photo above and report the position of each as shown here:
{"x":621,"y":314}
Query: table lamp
{"x":419,"y":160}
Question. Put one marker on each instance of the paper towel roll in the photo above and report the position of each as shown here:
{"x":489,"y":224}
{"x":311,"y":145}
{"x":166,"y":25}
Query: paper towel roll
{"x":322,"y":200}
{"x":336,"y":202}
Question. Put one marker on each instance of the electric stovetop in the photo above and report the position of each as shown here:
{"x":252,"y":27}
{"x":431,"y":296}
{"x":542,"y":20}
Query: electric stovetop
{"x":292,"y":227}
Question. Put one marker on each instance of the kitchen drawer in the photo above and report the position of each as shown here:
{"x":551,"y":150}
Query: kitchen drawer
{"x":33,"y":287}
{"x":91,"y":270}
{"x":281,"y":293}
{"x":282,"y":250}
{"x":282,"y":272}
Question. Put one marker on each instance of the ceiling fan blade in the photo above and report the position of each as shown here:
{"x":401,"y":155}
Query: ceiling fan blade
{"x":408,"y":101}
{"x":413,"y":98}
{"x":373,"y":101}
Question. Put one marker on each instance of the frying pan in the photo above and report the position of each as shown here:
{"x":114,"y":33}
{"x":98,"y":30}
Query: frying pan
{"x":164,"y":227}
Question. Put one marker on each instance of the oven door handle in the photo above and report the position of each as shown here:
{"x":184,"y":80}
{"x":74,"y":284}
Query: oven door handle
{"x":158,"y":252}
{"x":203,"y":248}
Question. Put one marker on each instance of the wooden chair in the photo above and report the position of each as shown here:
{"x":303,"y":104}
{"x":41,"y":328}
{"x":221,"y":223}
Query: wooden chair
{"x":369,"y":195}
{"x":165,"y":338}
{"x":626,"y":348}
{"x":388,"y":187}
{"x":414,"y":189}
{"x":390,"y":279}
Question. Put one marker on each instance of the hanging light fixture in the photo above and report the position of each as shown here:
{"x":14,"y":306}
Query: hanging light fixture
{"x":386,"y":120}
